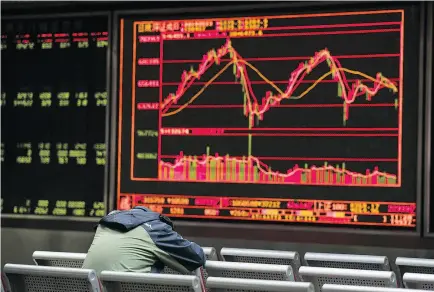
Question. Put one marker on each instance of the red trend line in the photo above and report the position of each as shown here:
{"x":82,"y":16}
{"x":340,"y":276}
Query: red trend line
{"x":309,"y":105}
{"x":348,"y":92}
{"x":340,"y":159}
{"x":292,"y":58}
{"x":273,"y":81}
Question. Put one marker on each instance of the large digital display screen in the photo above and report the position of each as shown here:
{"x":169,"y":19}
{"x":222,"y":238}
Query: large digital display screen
{"x":53,"y":112}
{"x":304,"y":118}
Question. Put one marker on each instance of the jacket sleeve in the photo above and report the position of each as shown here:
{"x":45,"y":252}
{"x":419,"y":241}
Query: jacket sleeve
{"x":177,"y":252}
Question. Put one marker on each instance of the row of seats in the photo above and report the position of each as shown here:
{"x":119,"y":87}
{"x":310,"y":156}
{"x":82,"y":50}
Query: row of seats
{"x":252,"y":275}
{"x":27,"y":278}
{"x":293,"y":259}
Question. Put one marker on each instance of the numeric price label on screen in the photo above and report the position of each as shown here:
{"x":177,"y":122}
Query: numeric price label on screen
{"x":148,"y":61}
{"x":148,"y":83}
{"x":177,"y":211}
{"x":401,"y":219}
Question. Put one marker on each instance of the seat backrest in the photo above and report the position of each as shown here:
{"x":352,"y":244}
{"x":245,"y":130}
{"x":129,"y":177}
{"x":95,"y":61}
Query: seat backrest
{"x":218,"y":284}
{"x":346,"y":288}
{"x":261,"y":256}
{"x":4,"y":284}
{"x":418,"y":281}
{"x":320,"y":276}
{"x":148,"y":282}
{"x":210,"y":253}
{"x":347,"y":261}
{"x":59,"y":259}
{"x":415,"y":265}
{"x":75,"y":260}
{"x":248,"y":271}
{"x":199,"y":273}
{"x":29,"y":278}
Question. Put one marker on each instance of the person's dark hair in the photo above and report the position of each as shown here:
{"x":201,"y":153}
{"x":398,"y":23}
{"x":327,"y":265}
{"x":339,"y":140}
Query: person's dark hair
{"x":167,"y":220}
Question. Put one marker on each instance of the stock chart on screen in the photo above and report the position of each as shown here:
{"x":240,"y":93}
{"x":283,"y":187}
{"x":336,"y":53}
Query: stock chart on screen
{"x":53,"y":107}
{"x":307,"y":118}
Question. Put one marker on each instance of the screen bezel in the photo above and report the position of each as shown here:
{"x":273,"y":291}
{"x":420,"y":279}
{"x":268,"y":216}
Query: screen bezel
{"x":428,"y":232}
{"x":258,"y":230}
{"x":10,"y":217}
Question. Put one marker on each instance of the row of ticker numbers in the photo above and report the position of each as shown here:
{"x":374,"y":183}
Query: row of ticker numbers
{"x":61,"y":208}
{"x":394,"y":219}
{"x":26,"y":99}
{"x":51,"y":45}
{"x":77,"y":152}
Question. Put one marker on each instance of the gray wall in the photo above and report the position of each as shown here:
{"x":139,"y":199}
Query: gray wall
{"x":18,"y":244}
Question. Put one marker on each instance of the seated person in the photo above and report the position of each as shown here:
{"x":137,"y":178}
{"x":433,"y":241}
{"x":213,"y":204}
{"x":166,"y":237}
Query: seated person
{"x":139,"y":240}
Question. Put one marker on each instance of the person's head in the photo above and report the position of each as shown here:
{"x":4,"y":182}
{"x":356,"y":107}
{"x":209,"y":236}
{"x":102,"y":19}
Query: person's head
{"x":167,"y":220}
{"x":163,"y":218}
